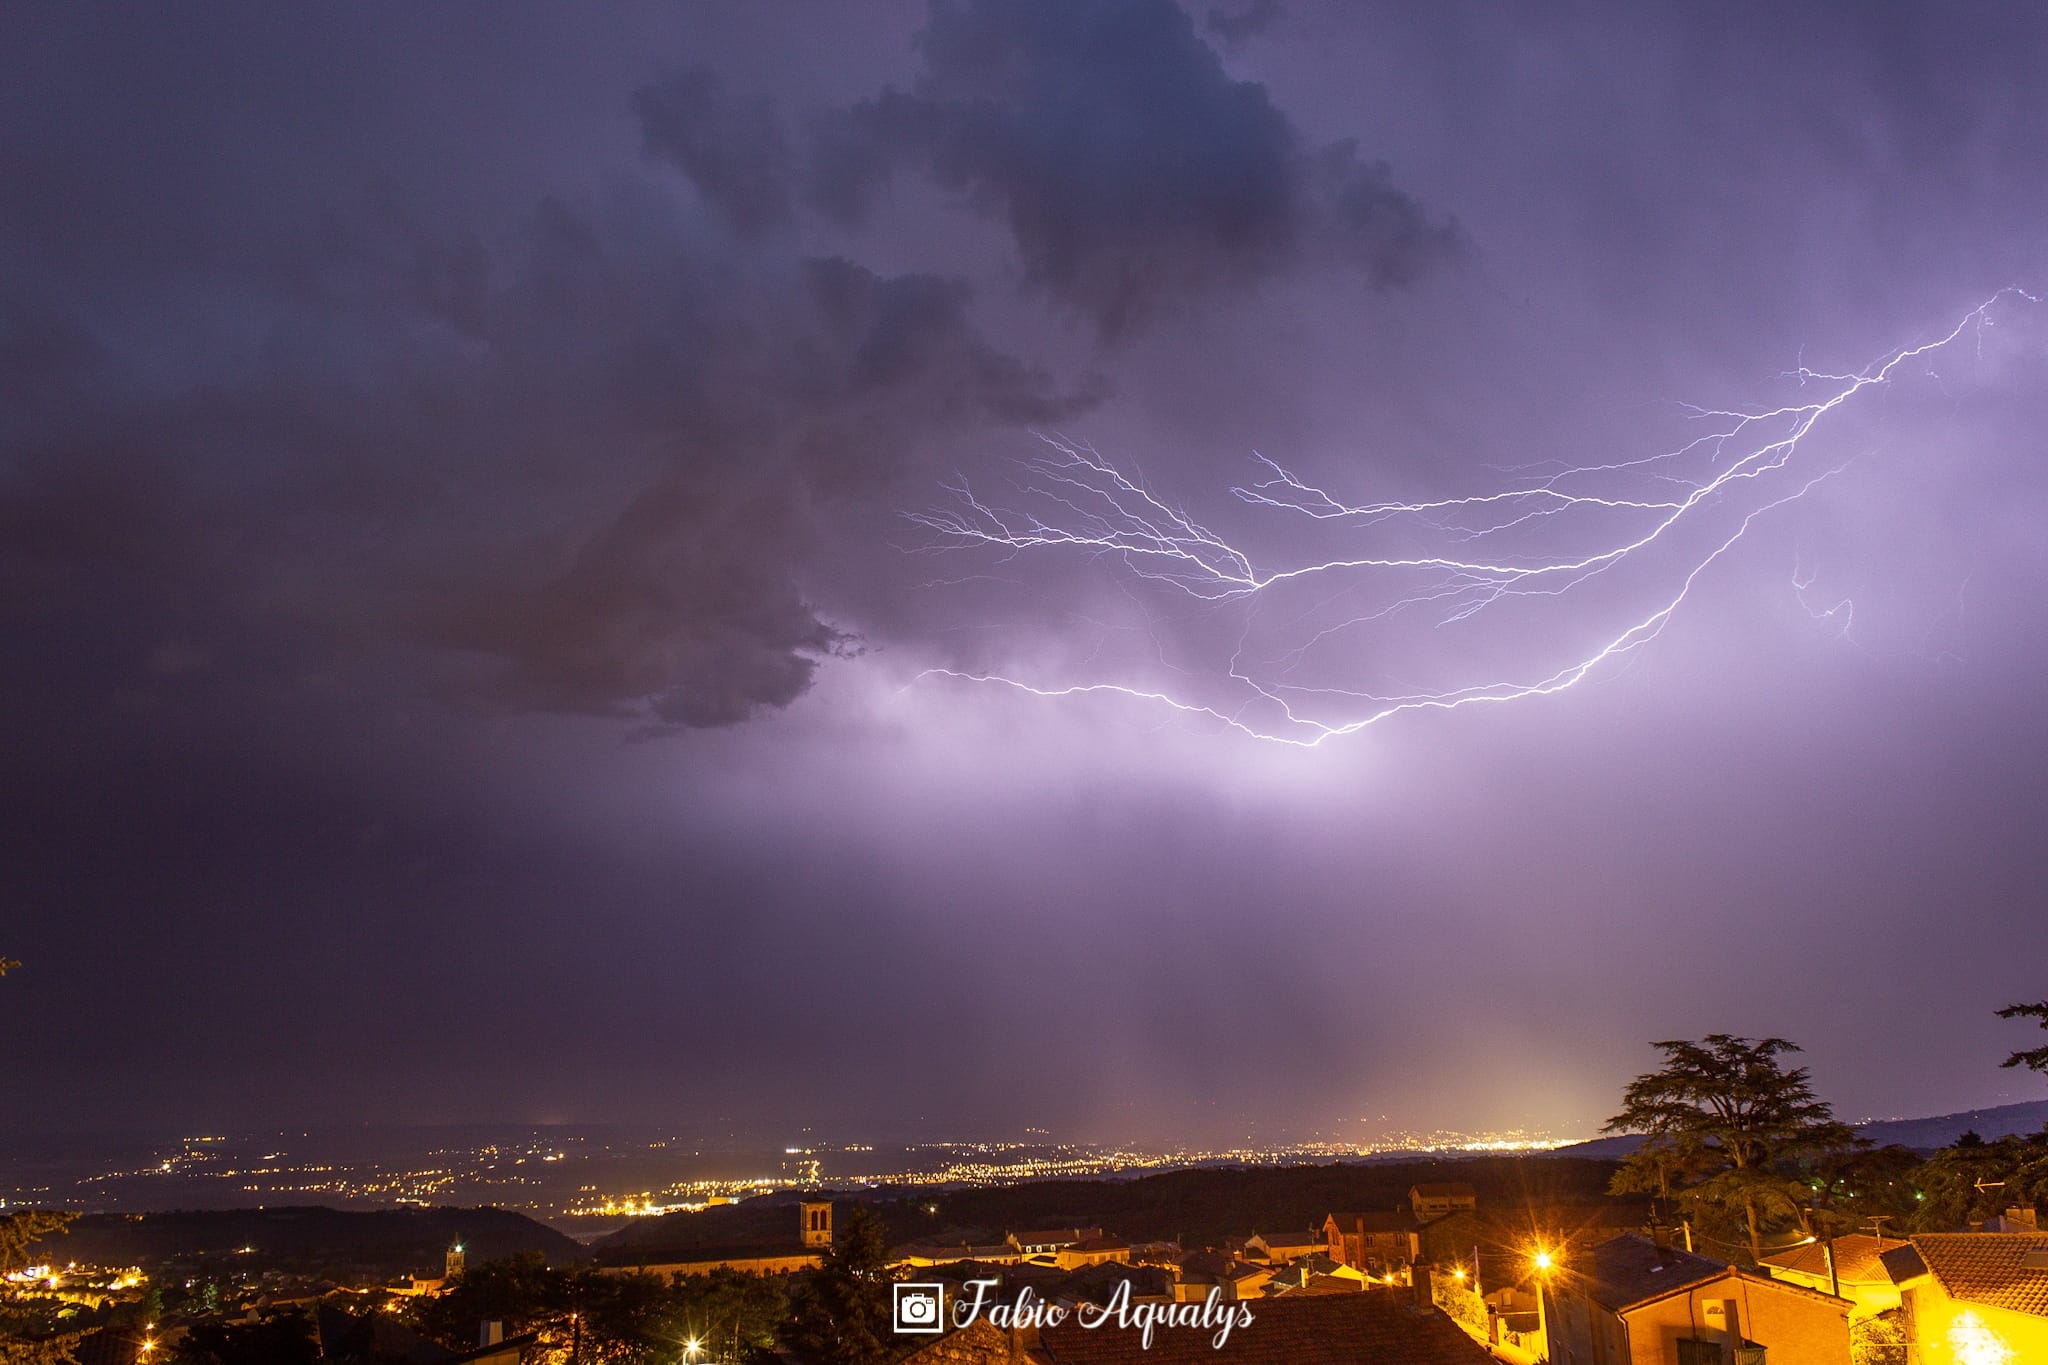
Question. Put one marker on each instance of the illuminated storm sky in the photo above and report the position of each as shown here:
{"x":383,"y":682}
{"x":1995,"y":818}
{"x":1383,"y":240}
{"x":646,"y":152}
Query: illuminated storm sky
{"x":460,"y":630}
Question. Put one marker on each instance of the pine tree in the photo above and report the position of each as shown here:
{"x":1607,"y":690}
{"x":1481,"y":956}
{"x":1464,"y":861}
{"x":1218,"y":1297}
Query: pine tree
{"x":1725,"y":1112}
{"x":841,"y":1312}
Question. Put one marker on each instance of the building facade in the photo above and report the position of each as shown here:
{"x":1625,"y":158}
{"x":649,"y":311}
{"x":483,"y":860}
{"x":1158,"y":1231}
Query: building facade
{"x":1630,"y":1301}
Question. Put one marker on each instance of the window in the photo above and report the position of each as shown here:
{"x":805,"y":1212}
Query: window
{"x":1693,"y":1352}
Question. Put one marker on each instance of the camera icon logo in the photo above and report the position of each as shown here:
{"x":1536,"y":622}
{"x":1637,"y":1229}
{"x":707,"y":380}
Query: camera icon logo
{"x":919,"y":1308}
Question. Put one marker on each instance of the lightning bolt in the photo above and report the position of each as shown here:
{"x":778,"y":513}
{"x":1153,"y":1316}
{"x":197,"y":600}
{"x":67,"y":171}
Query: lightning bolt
{"x":1551,"y":532}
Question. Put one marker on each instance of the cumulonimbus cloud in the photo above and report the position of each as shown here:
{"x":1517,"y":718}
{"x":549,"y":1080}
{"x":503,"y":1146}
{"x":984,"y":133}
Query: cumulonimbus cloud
{"x":1134,"y":175}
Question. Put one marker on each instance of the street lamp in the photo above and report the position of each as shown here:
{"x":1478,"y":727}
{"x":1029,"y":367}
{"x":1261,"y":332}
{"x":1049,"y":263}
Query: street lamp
{"x":1544,"y":1262}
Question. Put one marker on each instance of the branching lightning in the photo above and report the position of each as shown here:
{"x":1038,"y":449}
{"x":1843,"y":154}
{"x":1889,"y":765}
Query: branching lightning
{"x":1667,"y":517}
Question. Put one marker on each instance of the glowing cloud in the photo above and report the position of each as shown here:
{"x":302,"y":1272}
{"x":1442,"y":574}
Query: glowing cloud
{"x":1654,"y":523}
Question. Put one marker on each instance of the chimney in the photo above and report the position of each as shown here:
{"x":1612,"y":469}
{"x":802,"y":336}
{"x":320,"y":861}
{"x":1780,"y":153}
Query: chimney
{"x":1418,"y":1279}
{"x":490,"y":1333}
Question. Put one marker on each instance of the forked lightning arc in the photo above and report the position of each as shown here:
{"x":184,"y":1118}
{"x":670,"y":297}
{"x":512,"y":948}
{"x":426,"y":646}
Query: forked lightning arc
{"x":1485,"y":549}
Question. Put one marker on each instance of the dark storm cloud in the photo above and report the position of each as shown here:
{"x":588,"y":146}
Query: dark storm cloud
{"x":681,"y":609}
{"x":442,"y":423}
{"x":1235,"y":27}
{"x":734,"y":150}
{"x":1134,"y":175}
{"x":685,"y":607}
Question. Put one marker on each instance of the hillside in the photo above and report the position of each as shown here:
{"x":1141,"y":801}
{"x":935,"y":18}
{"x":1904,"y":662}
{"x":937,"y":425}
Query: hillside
{"x":1925,"y":1134}
{"x":1211,"y":1206}
{"x":381,"y":1241}
{"x":1996,"y":1122}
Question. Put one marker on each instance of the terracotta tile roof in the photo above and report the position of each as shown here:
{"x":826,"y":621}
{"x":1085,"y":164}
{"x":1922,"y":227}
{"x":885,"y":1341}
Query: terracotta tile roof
{"x":1624,"y":1271}
{"x":1331,"y":1284}
{"x":1215,"y":1267}
{"x":1300,"y":1329}
{"x":2006,"y":1270}
{"x":1098,"y":1283}
{"x":1856,"y":1258}
{"x":978,"y":1343}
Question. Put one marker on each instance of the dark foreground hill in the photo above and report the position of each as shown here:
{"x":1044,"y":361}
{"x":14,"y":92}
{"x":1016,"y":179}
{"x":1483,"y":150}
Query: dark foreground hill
{"x":1207,"y":1207}
{"x":379,"y":1241}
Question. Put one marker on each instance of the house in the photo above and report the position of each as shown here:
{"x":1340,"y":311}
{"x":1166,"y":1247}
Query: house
{"x":1100,"y":1284}
{"x":1219,"y":1270}
{"x":1089,"y":1251}
{"x":1437,"y":1199}
{"x":1966,"y":1297}
{"x":1631,"y":1301}
{"x":1156,"y":1253}
{"x":1341,"y":1281}
{"x":1047,"y":1241}
{"x":1857,"y":1272}
{"x":949,"y":1253}
{"x":1308,"y":1270}
{"x":1282,"y":1247}
{"x":1376,"y":1243}
{"x":1374,"y":1328}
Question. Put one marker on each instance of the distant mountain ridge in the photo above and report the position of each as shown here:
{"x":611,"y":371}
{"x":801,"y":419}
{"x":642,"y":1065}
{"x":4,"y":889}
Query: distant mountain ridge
{"x":1939,"y":1130}
{"x":2004,"y":1120}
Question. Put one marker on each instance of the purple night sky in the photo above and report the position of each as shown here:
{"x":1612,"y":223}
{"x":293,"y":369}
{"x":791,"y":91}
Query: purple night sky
{"x":464,"y":654}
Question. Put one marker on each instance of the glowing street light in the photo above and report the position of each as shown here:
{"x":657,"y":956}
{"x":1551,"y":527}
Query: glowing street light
{"x":1543,"y":1260}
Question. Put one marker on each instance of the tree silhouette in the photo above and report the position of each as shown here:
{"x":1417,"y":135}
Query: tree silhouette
{"x":2034,"y":1058}
{"x":841,"y":1311}
{"x":1724,"y":1113}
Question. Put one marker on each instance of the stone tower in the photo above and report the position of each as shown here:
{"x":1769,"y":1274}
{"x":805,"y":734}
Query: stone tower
{"x":817,"y":1222}
{"x":455,"y":1259}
